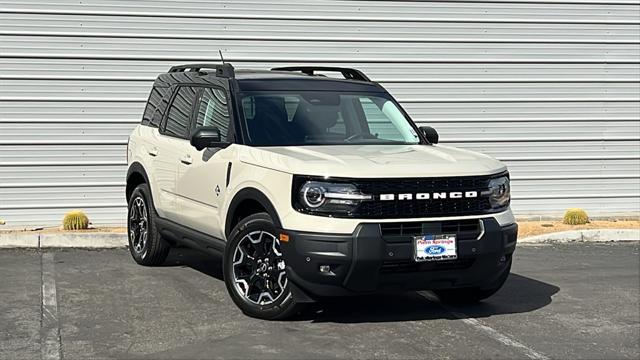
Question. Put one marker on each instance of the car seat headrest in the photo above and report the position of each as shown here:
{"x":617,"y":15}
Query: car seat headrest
{"x":316,"y":117}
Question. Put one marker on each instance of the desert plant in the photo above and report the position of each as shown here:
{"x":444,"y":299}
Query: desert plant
{"x":75,"y":220}
{"x":575,"y":217}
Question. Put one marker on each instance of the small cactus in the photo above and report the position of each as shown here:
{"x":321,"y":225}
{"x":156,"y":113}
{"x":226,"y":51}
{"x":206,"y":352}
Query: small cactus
{"x":575,"y":217}
{"x":75,"y":220}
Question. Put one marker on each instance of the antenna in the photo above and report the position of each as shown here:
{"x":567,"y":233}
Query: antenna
{"x":221,"y":57}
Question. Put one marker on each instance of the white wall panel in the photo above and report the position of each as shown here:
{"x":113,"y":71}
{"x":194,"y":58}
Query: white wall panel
{"x":550,"y":87}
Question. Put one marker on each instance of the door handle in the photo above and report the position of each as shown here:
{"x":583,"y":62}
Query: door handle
{"x":186,"y":160}
{"x":153,"y":152}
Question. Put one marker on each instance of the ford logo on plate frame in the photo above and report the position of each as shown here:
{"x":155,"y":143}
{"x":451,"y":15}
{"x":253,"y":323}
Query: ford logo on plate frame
{"x":435,"y":250}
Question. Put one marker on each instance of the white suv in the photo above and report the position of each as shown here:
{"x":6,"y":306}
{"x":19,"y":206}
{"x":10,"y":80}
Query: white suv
{"x":312,"y":186}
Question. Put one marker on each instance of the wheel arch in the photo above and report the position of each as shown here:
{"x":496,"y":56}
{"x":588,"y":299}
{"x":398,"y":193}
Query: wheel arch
{"x":246,"y":202}
{"x":136,"y":175}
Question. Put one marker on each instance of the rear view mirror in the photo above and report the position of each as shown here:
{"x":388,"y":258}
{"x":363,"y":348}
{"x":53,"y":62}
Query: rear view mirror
{"x":320,"y":98}
{"x":207,"y":136}
{"x":430,"y":133}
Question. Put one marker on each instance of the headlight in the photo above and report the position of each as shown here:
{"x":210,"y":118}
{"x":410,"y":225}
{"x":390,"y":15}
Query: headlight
{"x":500,"y":192}
{"x":328,"y":198}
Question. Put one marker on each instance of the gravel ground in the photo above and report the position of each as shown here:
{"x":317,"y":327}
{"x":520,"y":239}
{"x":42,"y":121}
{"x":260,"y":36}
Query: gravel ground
{"x":533,"y":228}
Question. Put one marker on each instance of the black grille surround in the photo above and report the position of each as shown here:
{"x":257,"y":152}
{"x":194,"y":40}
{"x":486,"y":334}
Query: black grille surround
{"x":398,"y":232}
{"x":396,"y":209}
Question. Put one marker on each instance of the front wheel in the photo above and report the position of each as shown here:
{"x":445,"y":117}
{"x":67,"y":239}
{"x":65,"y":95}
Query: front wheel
{"x":254,"y":270}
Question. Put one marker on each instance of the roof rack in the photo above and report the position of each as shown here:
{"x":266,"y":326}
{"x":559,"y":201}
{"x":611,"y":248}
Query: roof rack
{"x":222,"y":70}
{"x":348,"y":73}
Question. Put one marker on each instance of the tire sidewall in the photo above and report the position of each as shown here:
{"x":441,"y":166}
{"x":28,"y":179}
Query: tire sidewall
{"x":282,"y":306}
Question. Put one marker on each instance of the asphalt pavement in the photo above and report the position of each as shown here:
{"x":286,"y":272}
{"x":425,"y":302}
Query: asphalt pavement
{"x":562,"y":301}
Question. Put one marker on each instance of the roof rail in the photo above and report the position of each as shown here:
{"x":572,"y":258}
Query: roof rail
{"x":348,"y":73}
{"x":222,"y":70}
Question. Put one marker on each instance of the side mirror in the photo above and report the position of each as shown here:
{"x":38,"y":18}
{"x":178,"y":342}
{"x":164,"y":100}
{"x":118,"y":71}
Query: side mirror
{"x":430,"y":133}
{"x":207,"y":136}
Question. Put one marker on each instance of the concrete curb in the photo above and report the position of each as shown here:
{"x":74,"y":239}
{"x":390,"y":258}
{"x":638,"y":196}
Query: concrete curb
{"x":591,"y":235}
{"x":63,"y":240}
{"x":19,"y":240}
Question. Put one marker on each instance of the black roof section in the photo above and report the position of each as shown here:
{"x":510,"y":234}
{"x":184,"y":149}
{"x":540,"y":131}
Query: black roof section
{"x":282,"y":78}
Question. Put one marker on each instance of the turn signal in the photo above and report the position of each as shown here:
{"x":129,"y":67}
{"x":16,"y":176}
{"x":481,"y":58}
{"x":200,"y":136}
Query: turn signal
{"x":284,"y":237}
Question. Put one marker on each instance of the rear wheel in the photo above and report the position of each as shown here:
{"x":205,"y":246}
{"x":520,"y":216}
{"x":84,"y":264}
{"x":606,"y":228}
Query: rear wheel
{"x":145,"y":243}
{"x":254,"y":270}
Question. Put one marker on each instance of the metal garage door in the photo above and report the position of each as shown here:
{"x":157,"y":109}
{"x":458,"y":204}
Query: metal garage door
{"x":550,"y":87}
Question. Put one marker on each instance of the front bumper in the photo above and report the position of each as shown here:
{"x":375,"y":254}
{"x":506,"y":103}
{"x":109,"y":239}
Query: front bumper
{"x":374,"y":259}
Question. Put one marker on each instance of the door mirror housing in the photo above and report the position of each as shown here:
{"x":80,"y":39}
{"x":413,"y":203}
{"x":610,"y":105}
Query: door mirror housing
{"x":430,"y":133}
{"x":207,"y":136}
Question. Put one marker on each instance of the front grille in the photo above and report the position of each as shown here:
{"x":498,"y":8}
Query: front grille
{"x":405,"y":231}
{"x":427,"y":204}
{"x":424,"y":208}
{"x":389,"y":267}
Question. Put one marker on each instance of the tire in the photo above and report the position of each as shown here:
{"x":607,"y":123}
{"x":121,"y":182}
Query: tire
{"x":145,"y":243}
{"x":254,"y":270}
{"x":466,"y":296}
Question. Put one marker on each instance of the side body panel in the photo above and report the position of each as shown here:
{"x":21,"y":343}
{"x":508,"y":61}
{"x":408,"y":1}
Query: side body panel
{"x":202,"y":189}
{"x":143,"y":143}
{"x":165,"y":174}
{"x":159,"y":156}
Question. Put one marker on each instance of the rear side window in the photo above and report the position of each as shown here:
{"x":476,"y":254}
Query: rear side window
{"x":153,"y":105}
{"x":214,"y":111}
{"x":179,"y":112}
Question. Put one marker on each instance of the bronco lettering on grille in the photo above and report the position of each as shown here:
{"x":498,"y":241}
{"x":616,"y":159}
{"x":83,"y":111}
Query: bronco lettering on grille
{"x":428,"y":196}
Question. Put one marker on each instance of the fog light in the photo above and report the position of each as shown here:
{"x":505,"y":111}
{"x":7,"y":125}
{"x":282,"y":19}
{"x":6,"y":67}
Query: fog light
{"x":325,"y":269}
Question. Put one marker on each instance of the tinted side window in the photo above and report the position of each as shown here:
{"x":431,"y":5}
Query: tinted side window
{"x":155,"y":98}
{"x":213,"y":110}
{"x":179,"y":112}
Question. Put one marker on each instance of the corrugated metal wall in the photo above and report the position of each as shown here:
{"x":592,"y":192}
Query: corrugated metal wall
{"x":550,"y":87}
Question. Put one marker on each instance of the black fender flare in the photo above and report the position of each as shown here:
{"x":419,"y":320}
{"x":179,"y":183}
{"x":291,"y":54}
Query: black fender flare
{"x":250,"y":194}
{"x":136,"y":168}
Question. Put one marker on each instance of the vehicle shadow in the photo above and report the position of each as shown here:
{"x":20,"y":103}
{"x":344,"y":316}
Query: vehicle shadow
{"x":520,"y":294}
{"x":197,"y":260}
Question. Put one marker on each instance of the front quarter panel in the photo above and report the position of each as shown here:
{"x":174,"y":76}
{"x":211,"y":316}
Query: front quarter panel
{"x":274,"y":185}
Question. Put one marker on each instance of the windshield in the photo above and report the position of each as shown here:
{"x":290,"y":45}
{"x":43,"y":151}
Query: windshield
{"x":324,"y":118}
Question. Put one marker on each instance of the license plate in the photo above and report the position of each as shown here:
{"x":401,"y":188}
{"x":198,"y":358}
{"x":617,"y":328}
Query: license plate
{"x":435,"y":247}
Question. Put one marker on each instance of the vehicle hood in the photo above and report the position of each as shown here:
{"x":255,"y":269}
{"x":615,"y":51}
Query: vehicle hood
{"x":369,"y":161}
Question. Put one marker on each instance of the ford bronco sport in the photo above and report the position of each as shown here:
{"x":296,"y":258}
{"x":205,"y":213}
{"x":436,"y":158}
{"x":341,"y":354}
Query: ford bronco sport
{"x":312,"y":186}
